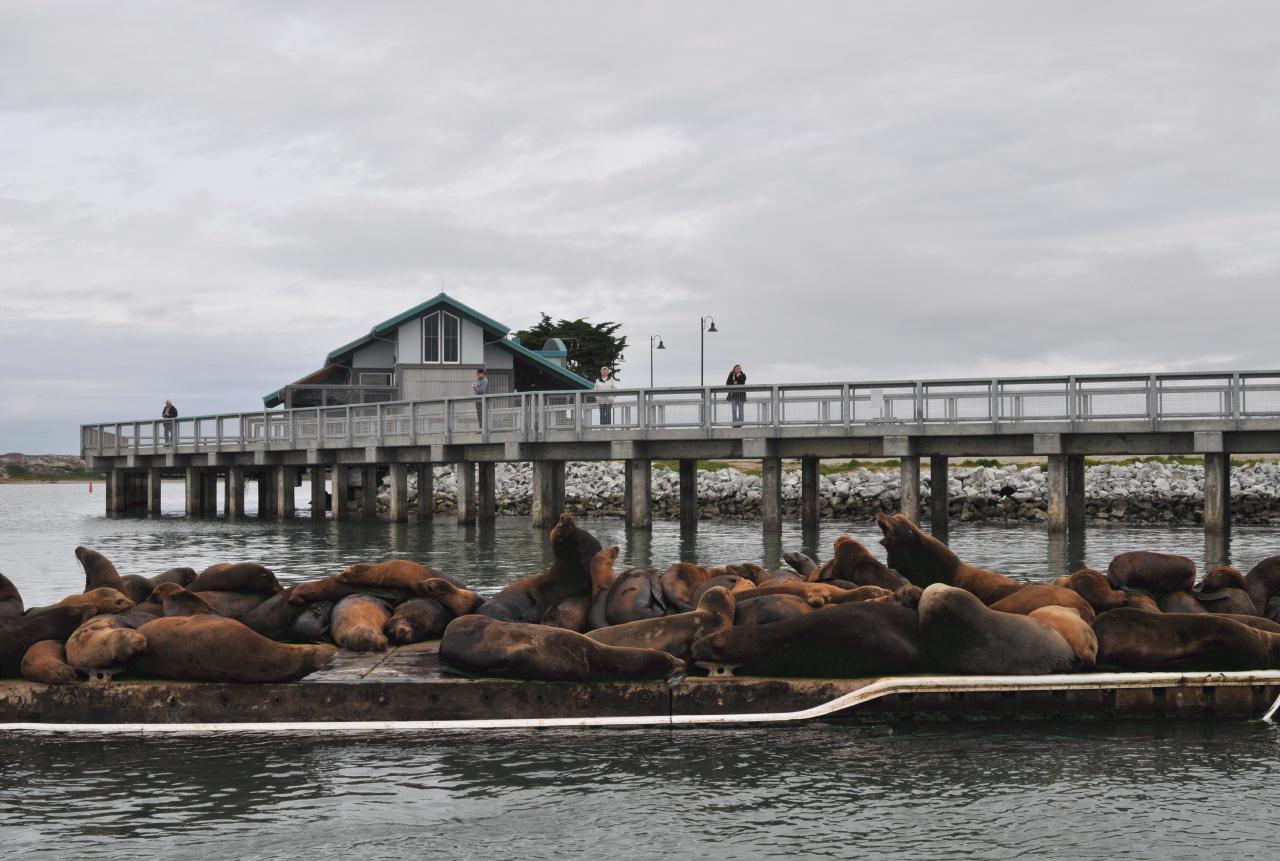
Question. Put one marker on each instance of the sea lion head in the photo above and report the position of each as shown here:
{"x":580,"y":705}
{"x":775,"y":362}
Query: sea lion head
{"x":108,"y":600}
{"x":718,"y":600}
{"x":899,"y":531}
{"x":163,"y":591}
{"x":1222,"y":577}
{"x":352,"y":571}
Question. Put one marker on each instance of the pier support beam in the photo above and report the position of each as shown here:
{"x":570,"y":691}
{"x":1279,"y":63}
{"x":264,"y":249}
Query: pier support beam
{"x":266,"y":508}
{"x":487,"y":490}
{"x":341,"y":491}
{"x":398,"y":507}
{"x":688,"y":494}
{"x":209,"y":489}
{"x":1217,"y":498}
{"x":317,"y":491}
{"x":640,"y":493}
{"x":284,"y":479}
{"x":939,"y":518}
{"x":426,"y":491}
{"x":235,"y":491}
{"x":1075,"y":493}
{"x":548,"y":492}
{"x":153,"y":491}
{"x":466,"y":475}
{"x":1066,"y":493}
{"x":810,"y":505}
{"x":910,"y":487}
{"x":194,"y":491}
{"x":369,"y":492}
{"x":771,"y":493}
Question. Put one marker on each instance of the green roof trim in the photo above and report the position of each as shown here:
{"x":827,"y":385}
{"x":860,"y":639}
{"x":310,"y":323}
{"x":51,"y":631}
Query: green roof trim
{"x":273,"y":399}
{"x":441,"y":299}
{"x":521,"y":350}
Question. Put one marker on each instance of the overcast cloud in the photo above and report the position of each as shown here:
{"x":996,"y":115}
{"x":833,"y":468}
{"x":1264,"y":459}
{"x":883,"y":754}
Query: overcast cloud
{"x":199,"y":200}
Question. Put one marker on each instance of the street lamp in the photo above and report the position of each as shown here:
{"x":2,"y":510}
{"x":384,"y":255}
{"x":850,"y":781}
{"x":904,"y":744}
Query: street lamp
{"x":702,"y":350}
{"x":660,"y":346}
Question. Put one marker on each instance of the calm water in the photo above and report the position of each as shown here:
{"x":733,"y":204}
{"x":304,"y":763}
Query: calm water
{"x":954,"y":791}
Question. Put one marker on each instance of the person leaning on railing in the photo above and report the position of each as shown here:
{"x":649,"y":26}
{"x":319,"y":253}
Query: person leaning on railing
{"x":737,"y":400}
{"x":605,"y":382}
{"x":480,"y":387}
{"x":170,"y":412}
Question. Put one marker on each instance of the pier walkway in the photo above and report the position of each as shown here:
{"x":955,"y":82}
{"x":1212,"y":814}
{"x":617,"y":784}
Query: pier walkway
{"x":1211,"y":414}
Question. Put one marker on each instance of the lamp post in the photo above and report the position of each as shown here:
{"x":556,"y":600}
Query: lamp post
{"x":702,"y":348}
{"x":660,"y":346}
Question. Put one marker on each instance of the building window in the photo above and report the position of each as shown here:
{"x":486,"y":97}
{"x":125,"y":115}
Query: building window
{"x":375,"y":379}
{"x":441,"y":339}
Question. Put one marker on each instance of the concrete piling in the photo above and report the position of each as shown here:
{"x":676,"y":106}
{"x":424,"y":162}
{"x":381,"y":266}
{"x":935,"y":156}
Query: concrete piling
{"x":486,"y":490}
{"x":810,"y":504}
{"x":466,"y":474}
{"x":426,"y":491}
{"x":910,"y":487}
{"x":398,"y":503}
{"x":939,"y":498}
{"x":548,"y":492}
{"x":771,"y":493}
{"x":688,"y":494}
{"x":640,"y":493}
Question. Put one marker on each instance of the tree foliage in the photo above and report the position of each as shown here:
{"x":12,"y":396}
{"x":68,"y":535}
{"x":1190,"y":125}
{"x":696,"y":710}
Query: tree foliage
{"x":591,"y":346}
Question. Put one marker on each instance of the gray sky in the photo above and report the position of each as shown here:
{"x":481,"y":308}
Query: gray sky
{"x":199,"y":200}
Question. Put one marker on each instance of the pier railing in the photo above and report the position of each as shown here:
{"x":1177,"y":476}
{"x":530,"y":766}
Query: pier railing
{"x":1142,"y":401}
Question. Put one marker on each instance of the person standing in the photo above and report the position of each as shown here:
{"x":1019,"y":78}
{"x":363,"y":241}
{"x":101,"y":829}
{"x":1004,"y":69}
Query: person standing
{"x":737,"y":400}
{"x":605,"y":381}
{"x":169,"y":413}
{"x":481,"y":388}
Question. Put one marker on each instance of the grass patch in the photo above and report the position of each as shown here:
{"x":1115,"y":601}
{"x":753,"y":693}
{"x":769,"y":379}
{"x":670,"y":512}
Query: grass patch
{"x":709,"y":465}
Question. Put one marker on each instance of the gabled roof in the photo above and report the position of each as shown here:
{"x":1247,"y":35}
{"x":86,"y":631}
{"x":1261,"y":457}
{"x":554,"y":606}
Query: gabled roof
{"x":443,"y":300}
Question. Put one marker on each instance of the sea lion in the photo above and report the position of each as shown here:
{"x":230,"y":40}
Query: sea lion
{"x":1158,"y":573}
{"x":136,"y":587}
{"x":181,"y":575}
{"x":679,"y":582}
{"x":817,"y":594}
{"x":417,"y":620}
{"x":674,"y":634}
{"x":17,"y":634}
{"x":274,"y":617}
{"x":401,"y":574}
{"x":313,"y":623}
{"x":844,"y":641}
{"x":800,"y":563}
{"x":732,"y":582}
{"x":769,"y":608}
{"x":233,"y":605}
{"x":1253,"y":621}
{"x":924,"y":560}
{"x":963,"y":635}
{"x":1263,"y":582}
{"x":570,"y":614}
{"x":1034,"y":595}
{"x":602,"y":578}
{"x":1078,"y":633}
{"x":211,"y":648}
{"x":755,"y":573}
{"x":332,"y":589}
{"x":569,"y":575}
{"x":98,"y":570}
{"x":245,"y":577}
{"x":1224,"y":590}
{"x":46,"y":662}
{"x":1141,"y":601}
{"x":1094,"y":587}
{"x":868,"y":593}
{"x":177,"y":601}
{"x":458,"y":601}
{"x":140,"y":614}
{"x":784,"y":575}
{"x":1134,"y":640}
{"x":10,"y":599}
{"x":103,"y":599}
{"x":1180,"y":601}
{"x":478,"y":645}
{"x":635,"y":595}
{"x":1273,"y":609}
{"x":853,"y":562}
{"x":104,"y":641}
{"x":358,"y":621}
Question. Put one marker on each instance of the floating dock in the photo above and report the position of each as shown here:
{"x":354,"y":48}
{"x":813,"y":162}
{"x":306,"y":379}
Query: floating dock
{"x":404,"y":689}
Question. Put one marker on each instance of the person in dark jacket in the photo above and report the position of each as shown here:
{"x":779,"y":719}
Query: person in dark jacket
{"x":737,"y":400}
{"x":170,"y":412}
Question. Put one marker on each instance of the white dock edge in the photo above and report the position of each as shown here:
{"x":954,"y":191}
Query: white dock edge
{"x":879,"y":688}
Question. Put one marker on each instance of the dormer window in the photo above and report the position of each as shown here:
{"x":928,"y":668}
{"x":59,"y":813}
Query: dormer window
{"x":441,"y":339}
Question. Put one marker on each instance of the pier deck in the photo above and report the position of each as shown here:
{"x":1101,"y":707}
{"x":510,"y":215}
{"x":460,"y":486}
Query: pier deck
{"x":406,"y":684}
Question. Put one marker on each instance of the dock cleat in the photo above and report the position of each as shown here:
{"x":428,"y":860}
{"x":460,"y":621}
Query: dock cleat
{"x":717,"y":671}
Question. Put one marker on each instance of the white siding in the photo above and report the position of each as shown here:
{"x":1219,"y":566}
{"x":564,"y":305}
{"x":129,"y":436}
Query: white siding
{"x":472,"y":342}
{"x":410,"y":337}
{"x":378,"y":354}
{"x":496,"y":358}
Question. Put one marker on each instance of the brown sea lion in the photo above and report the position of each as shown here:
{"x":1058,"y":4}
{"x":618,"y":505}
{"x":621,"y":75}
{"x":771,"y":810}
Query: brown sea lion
{"x":104,"y":641}
{"x":1034,"y":595}
{"x":732,"y":582}
{"x":181,"y":575}
{"x":853,"y":562}
{"x":103,"y":599}
{"x":750,"y":570}
{"x":17,"y":634}
{"x":1093,"y":586}
{"x":244,"y":577}
{"x":602,"y":578}
{"x":635,"y":595}
{"x":844,"y":641}
{"x":136,"y":587}
{"x":868,"y":593}
{"x":800,"y":563}
{"x":817,"y":594}
{"x":1078,"y":633}
{"x":233,"y":605}
{"x":1262,"y":624}
{"x":417,"y":620}
{"x":784,"y":575}
{"x":140,"y":614}
{"x":313,"y":623}
{"x":679,"y":582}
{"x":1158,"y":573}
{"x":393,"y":574}
{"x":331,"y":589}
{"x":569,"y":575}
{"x":211,"y":648}
{"x":674,"y":634}
{"x":570,"y":614}
{"x":10,"y":599}
{"x":1180,"y":601}
{"x":962,"y":635}
{"x":477,"y":645}
{"x":177,"y":601}
{"x":1224,"y":590}
{"x":358,"y":621}
{"x":457,"y":601}
{"x":1141,"y":601}
{"x":98,"y":570}
{"x":274,"y":617}
{"x":1263,"y":582}
{"x":925,"y":560}
{"x":46,"y":662}
{"x":1273,"y":610}
{"x":769,"y":608}
{"x":1134,"y":640}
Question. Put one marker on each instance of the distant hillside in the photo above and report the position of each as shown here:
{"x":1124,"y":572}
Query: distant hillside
{"x":44,"y":467}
